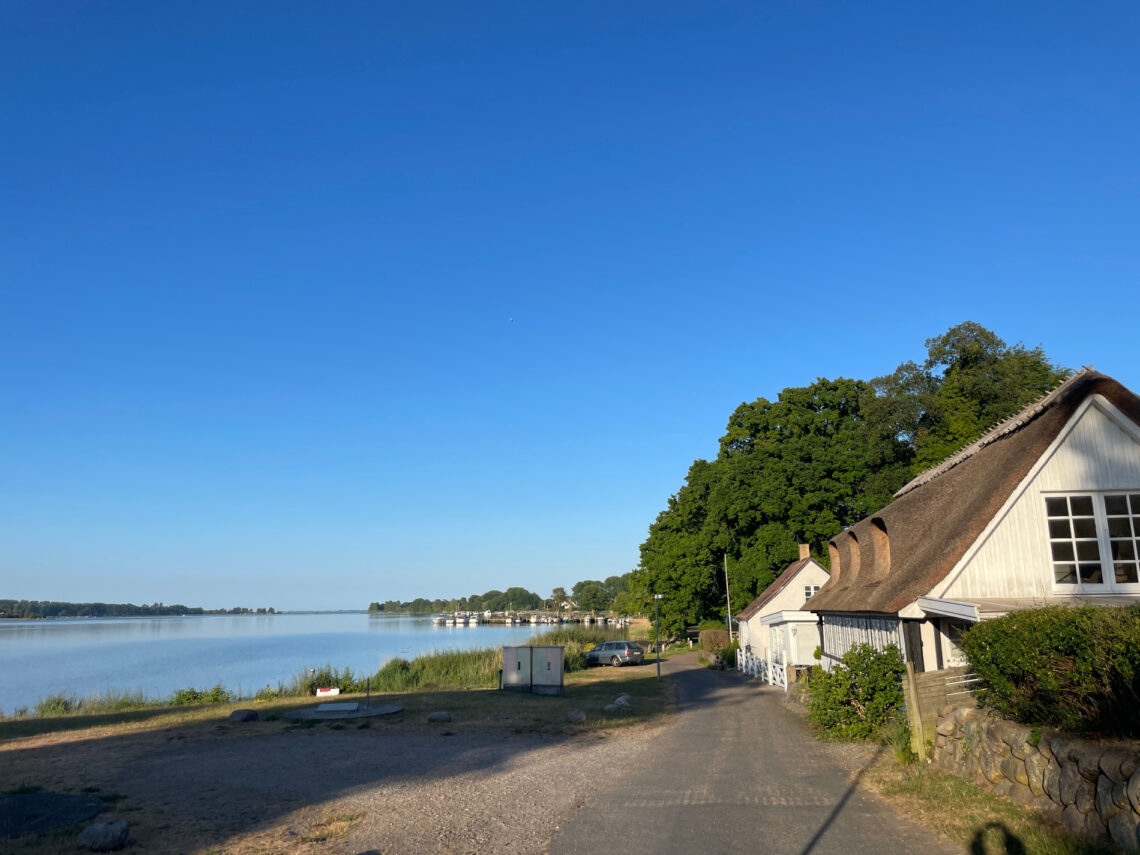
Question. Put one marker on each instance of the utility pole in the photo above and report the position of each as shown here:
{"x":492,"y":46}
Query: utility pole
{"x":657,"y":634}
{"x":728,"y":599}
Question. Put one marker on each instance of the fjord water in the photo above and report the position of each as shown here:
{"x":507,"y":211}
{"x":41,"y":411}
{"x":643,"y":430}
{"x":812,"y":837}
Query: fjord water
{"x":244,"y":653}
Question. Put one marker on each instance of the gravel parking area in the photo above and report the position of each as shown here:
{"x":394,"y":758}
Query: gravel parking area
{"x":270,"y":787}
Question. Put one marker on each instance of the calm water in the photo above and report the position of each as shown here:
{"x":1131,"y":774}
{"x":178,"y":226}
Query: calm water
{"x":244,"y":653}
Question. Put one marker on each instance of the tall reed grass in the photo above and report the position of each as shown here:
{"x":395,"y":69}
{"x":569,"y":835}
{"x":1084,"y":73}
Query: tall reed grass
{"x":441,"y":670}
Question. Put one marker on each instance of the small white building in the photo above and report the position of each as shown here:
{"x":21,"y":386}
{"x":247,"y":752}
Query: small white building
{"x":775,"y":633}
{"x":1042,"y":510}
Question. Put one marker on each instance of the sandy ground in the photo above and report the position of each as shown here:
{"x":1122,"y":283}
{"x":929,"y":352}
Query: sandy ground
{"x":271,"y":786}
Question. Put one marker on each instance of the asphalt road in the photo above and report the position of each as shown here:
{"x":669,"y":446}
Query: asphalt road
{"x":737,"y":772}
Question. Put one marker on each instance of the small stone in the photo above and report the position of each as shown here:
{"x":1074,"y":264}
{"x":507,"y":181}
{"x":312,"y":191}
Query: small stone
{"x":945,"y":711}
{"x":1014,"y":770}
{"x":946,"y":727}
{"x":1134,"y":790}
{"x":1105,"y":806}
{"x":439,"y":717}
{"x":1022,"y":795}
{"x":576,"y":717}
{"x":1122,"y":829}
{"x":1043,"y":745}
{"x":1035,"y":768}
{"x":104,"y":836}
{"x":622,"y":701}
{"x":1088,"y":760}
{"x":625,"y":695}
{"x":990,"y":765}
{"x":1094,"y":827}
{"x":1053,"y":782}
{"x":611,"y":708}
{"x":1072,"y":818}
{"x":243,"y":715}
{"x":1128,"y":766}
{"x":1120,"y":796}
{"x":1111,"y":763}
{"x":1003,"y":787}
{"x":1085,"y":796}
{"x":1070,"y":777}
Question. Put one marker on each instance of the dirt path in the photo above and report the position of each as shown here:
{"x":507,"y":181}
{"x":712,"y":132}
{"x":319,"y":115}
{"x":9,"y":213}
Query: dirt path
{"x":269,"y":787}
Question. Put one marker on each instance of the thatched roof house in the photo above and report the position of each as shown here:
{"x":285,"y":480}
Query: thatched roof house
{"x":1034,"y":512}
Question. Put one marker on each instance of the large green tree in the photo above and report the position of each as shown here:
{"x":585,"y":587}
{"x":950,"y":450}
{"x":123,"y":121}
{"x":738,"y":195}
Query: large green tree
{"x":818,"y":459}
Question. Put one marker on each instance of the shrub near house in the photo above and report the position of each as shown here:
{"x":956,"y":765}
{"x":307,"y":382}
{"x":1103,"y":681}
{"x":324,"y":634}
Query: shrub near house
{"x":1077,"y":669}
{"x":861,"y":695}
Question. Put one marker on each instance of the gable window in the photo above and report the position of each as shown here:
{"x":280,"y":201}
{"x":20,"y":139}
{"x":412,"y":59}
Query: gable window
{"x":1094,"y":540}
{"x":810,"y":590}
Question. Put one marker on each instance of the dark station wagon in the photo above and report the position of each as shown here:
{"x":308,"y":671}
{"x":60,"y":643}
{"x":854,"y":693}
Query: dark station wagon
{"x":615,"y":653}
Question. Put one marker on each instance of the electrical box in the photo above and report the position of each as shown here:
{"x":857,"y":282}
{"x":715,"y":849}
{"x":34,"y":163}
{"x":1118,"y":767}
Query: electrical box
{"x":533,"y":669}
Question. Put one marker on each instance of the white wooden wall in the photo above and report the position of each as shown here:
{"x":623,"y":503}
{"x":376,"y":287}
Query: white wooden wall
{"x":842,"y":632}
{"x":1011,"y":557}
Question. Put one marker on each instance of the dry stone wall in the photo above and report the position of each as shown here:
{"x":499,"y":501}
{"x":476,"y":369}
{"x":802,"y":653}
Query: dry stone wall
{"x":1093,"y":788}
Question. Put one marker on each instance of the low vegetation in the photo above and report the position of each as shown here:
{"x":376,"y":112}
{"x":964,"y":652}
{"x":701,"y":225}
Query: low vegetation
{"x":1077,"y":669}
{"x":439,"y":671}
{"x":980,"y":822}
{"x":860,"y":697}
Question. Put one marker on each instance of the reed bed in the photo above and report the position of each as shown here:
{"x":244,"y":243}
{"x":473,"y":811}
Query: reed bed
{"x":441,"y":670}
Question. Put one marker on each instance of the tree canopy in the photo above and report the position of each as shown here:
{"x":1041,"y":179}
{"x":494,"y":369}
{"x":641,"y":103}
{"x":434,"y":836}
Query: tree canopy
{"x":817,"y":460}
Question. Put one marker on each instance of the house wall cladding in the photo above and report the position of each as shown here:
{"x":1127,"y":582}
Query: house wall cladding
{"x":1093,"y":788}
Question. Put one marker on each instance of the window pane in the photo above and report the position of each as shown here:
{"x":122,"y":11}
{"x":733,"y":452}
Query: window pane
{"x":1088,"y":550}
{"x":1091,"y":574}
{"x":1063,"y":551}
{"x":1082,"y":506}
{"x":1060,"y":528}
{"x":1134,"y":498}
{"x":1116,"y":505}
{"x":1057,"y":506}
{"x":1119,"y":527}
{"x":1125,"y":572}
{"x":1125,"y":549}
{"x":1065,"y":574}
{"x":1084,"y":527}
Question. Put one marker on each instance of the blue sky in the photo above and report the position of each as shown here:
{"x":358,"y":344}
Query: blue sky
{"x":307,"y":305}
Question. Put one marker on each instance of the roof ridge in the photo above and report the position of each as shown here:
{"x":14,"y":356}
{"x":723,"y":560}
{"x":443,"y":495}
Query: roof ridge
{"x":1001,"y":429}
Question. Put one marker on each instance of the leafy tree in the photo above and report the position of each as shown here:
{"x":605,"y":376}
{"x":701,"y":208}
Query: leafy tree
{"x":971,"y":380}
{"x":559,"y":597}
{"x":591,"y":596}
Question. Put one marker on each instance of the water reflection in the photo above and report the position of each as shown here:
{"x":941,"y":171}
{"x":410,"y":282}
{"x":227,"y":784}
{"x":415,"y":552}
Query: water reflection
{"x":158,"y":655}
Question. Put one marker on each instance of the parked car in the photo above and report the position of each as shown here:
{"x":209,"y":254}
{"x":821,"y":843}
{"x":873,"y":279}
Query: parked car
{"x":615,"y":653}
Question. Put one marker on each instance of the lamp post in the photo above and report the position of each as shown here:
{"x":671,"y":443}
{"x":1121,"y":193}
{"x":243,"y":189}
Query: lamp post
{"x":657,"y":634}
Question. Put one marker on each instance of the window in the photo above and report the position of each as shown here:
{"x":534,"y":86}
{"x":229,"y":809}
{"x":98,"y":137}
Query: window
{"x":1094,"y":539}
{"x":809,"y":590}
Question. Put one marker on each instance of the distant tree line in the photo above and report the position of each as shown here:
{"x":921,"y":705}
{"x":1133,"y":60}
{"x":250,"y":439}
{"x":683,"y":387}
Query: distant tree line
{"x":31,"y":609}
{"x":818,"y":459}
{"x":587,"y":595}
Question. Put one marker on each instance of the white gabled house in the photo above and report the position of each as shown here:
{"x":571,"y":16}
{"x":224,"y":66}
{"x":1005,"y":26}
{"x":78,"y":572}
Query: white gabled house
{"x":1044,"y":509}
{"x":775,"y":633}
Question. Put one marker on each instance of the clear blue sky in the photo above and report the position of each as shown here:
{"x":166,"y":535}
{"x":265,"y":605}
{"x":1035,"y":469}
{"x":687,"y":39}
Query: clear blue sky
{"x":311,"y":304}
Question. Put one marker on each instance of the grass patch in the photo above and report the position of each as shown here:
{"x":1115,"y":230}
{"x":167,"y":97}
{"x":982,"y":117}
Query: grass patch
{"x":331,"y":828}
{"x":982,"y":822}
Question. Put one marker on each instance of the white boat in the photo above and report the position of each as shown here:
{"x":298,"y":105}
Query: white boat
{"x":438,"y":620}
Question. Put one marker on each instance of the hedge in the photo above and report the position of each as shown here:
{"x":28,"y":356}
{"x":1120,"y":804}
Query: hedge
{"x":1077,"y":669}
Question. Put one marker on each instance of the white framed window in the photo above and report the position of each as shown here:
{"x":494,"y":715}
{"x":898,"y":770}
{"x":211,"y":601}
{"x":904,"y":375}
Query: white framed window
{"x":1094,"y":540}
{"x":810,"y":591}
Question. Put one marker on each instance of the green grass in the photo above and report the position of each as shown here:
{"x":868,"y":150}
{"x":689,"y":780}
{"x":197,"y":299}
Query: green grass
{"x":439,"y":671}
{"x":984,"y":823}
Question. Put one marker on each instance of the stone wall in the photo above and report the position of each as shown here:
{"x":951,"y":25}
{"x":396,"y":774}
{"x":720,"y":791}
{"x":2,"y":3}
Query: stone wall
{"x":1093,"y":788}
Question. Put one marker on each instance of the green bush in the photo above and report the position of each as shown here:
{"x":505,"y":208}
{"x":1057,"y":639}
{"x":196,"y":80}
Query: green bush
{"x":216,"y":695}
{"x":1077,"y":669}
{"x":860,"y":695}
{"x":728,"y":654}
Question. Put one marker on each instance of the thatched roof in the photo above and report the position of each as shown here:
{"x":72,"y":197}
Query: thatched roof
{"x":888,"y":560}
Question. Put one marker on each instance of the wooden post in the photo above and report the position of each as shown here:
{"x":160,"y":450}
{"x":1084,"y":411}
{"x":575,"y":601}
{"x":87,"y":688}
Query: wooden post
{"x":914,"y":712}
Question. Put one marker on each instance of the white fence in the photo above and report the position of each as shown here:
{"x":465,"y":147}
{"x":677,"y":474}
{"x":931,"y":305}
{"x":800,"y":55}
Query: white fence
{"x":771,"y":671}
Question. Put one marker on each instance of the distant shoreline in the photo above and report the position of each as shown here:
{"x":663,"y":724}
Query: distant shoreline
{"x":192,"y":613}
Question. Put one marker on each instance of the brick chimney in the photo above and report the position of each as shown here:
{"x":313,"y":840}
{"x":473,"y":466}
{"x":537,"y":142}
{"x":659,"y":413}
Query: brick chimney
{"x":805,"y":550}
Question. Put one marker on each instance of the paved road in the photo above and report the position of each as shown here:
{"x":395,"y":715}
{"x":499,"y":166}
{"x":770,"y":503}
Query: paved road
{"x":736,"y":772}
